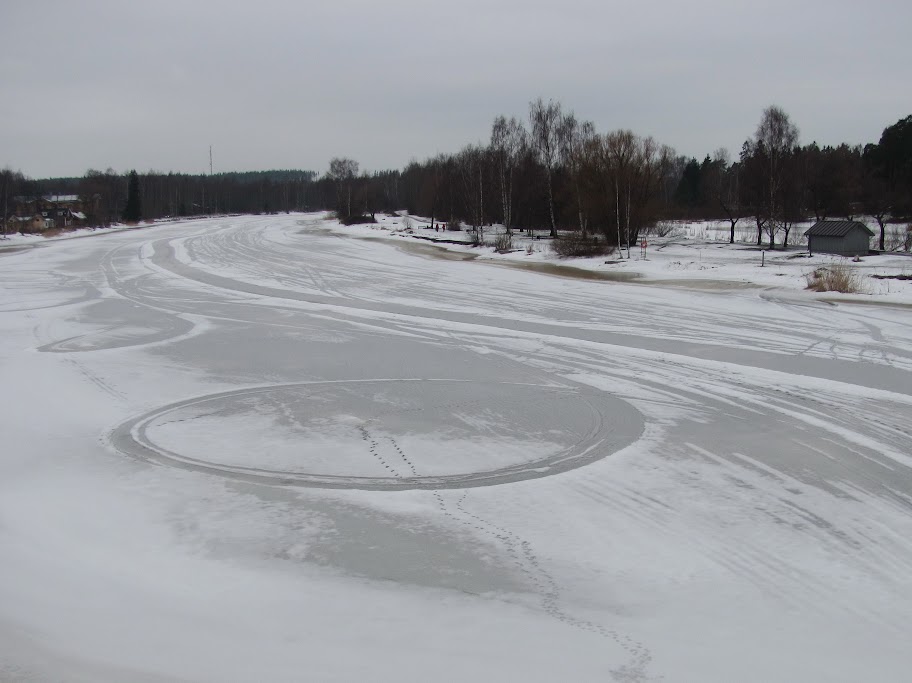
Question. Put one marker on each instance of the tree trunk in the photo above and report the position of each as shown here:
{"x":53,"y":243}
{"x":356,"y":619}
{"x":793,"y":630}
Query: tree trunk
{"x":617,"y":210}
{"x":509,"y":215}
{"x":627,"y":221}
{"x":503,"y":199}
{"x":551,"y":205}
{"x":480,"y":197}
{"x":579,"y":206}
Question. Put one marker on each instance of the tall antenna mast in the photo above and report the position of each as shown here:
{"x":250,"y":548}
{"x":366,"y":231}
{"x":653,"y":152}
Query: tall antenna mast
{"x":210,"y":159}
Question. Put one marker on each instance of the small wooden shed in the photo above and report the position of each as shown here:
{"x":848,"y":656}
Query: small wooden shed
{"x":845,"y":238}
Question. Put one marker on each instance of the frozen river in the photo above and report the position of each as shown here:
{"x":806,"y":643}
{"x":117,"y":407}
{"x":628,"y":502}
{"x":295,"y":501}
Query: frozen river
{"x":258,"y":449}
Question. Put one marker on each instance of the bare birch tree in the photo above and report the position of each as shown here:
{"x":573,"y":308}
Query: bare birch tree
{"x":470,"y":165}
{"x":618,"y":150}
{"x":508,"y":141}
{"x":725,"y":186}
{"x":574,"y":138}
{"x":343,"y":172}
{"x":544,"y":123}
{"x":630,"y":171}
{"x":777,"y":136}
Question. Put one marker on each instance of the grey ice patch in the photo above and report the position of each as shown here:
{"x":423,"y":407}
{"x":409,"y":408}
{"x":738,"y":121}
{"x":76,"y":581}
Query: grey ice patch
{"x":393,"y":434}
{"x":120,"y":324}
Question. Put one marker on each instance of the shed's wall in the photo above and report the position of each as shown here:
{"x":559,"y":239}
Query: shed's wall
{"x":856,"y":242}
{"x":827,"y":245}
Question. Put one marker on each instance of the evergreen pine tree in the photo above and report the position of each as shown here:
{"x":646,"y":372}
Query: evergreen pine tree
{"x":688,"y":191}
{"x":133,"y":210}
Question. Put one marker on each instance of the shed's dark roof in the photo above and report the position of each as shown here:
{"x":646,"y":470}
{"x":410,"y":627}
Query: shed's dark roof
{"x":836,"y":228}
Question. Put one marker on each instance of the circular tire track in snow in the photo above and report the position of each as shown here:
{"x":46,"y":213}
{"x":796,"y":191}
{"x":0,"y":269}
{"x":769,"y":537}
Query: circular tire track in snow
{"x":475,"y":414}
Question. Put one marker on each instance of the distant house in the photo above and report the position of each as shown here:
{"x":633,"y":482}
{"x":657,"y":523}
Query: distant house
{"x":845,"y":238}
{"x":26,"y":224}
{"x":55,"y":210}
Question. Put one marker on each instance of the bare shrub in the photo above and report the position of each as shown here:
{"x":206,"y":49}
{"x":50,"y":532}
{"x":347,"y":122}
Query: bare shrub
{"x":661,"y":229}
{"x":454,"y":225}
{"x":503,"y":243}
{"x":357,"y":220}
{"x":407,"y":223}
{"x":839,"y":277}
{"x":575,"y":245}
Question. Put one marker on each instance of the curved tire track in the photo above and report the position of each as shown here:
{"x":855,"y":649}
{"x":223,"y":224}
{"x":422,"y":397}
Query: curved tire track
{"x":607,"y":436}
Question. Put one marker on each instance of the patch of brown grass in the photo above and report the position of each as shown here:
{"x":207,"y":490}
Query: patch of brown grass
{"x":838,"y":277}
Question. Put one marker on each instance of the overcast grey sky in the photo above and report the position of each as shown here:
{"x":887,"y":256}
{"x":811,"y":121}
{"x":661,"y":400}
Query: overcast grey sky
{"x":272,"y":84}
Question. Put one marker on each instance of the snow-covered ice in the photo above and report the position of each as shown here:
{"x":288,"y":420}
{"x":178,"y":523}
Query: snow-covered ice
{"x":274,"y":448}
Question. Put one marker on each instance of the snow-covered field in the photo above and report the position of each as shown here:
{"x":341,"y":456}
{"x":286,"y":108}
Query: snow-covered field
{"x":271,"y":448}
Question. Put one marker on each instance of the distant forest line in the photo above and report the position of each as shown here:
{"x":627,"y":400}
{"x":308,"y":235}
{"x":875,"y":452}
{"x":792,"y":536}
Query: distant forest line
{"x":547,"y":170}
